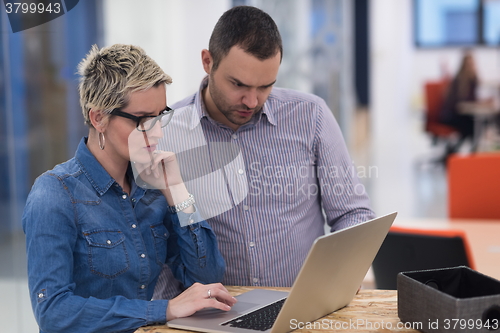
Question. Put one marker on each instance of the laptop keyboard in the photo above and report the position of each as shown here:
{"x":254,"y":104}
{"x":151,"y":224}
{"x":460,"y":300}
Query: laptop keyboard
{"x":258,"y":320}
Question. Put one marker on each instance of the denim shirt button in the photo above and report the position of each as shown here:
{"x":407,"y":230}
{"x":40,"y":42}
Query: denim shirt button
{"x":134,"y":200}
{"x":143,"y":286}
{"x":40,"y":295}
{"x":134,"y":226}
{"x":124,"y":196}
{"x":143,"y":255}
{"x":108,"y":242}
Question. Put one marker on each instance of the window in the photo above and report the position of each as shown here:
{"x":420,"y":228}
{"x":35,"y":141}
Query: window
{"x":491,"y":22}
{"x":440,"y":23}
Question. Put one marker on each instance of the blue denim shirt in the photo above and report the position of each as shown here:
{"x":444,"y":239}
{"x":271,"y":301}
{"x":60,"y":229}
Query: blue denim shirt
{"x":95,"y":253}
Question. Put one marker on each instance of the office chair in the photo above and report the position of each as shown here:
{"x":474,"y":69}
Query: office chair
{"x":408,"y":249}
{"x":435,"y":92}
{"x":474,"y":186}
{"x":443,"y":136}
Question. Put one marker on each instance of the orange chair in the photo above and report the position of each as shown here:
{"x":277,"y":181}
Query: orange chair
{"x":474,"y":186}
{"x":435,"y":92}
{"x":409,"y":249}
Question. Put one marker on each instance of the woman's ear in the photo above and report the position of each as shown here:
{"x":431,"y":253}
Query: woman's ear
{"x":97,"y":119}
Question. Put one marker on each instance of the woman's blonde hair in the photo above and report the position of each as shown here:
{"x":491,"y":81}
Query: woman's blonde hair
{"x":109,"y":74}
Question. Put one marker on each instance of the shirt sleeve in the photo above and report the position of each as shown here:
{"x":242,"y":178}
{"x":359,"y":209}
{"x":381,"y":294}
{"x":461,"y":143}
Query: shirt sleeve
{"x":343,"y":196}
{"x":51,"y":236}
{"x":194,"y":255}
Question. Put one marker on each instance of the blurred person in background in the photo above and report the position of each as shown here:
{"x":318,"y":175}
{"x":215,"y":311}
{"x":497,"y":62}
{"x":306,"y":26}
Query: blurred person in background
{"x":463,"y":88}
{"x":96,"y":240}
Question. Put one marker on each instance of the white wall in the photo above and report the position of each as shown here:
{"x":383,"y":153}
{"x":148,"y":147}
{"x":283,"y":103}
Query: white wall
{"x":172,"y":32}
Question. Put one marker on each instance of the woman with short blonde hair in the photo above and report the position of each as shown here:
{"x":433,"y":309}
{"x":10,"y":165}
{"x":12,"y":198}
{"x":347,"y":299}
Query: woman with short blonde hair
{"x":100,"y":227}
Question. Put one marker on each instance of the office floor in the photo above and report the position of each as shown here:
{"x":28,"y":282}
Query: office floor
{"x":398,"y":180}
{"x":404,"y":177}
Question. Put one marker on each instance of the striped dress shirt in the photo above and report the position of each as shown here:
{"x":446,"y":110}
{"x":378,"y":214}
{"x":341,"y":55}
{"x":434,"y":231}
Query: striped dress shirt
{"x":298,"y":175}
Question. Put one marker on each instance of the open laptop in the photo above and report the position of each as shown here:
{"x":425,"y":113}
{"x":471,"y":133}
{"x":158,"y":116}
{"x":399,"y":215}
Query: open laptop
{"x":328,"y":280}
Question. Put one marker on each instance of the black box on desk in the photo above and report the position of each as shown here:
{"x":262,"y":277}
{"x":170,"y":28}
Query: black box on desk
{"x":456,"y":299}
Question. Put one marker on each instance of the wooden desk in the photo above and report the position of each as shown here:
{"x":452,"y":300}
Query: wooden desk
{"x":379,"y":307}
{"x":484,"y":114}
{"x":483,"y":237}
{"x":370,"y":310}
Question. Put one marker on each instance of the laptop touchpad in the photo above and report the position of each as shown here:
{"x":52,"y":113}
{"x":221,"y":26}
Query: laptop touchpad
{"x":238,"y":308}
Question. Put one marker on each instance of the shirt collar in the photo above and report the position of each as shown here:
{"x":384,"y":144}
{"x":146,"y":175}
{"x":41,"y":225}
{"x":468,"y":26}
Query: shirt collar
{"x":93,"y":170}
{"x":201,"y":111}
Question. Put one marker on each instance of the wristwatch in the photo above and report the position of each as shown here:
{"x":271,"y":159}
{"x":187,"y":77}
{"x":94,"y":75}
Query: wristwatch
{"x":183,"y":205}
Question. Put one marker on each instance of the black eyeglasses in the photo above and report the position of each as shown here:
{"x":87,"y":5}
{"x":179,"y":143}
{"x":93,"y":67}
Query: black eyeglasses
{"x":146,"y":123}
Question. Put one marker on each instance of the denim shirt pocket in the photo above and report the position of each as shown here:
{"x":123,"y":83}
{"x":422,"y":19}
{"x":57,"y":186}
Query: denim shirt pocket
{"x":160,"y":236}
{"x":108,"y":256}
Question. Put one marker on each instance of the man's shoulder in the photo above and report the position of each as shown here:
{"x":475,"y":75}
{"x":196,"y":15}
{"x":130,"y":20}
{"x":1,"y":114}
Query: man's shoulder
{"x":286,"y":95}
{"x":305,"y":106}
{"x":189,"y":100}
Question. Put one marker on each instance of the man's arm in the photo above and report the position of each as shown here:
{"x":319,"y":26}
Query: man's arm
{"x":344,"y":198}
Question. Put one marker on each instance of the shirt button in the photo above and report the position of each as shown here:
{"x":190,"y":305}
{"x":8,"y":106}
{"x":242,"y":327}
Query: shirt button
{"x":40,"y":295}
{"x":191,"y":221}
{"x":241,"y":171}
{"x":134,"y":226}
{"x":245,"y":207}
{"x":134,"y":200}
{"x":252,"y":244}
{"x":235,"y":136}
{"x":143,"y":255}
{"x":124,"y":196}
{"x":143,"y":286}
{"x":108,"y":242}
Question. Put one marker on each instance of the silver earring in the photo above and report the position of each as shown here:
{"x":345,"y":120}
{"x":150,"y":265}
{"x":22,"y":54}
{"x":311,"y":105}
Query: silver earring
{"x":102,"y":140}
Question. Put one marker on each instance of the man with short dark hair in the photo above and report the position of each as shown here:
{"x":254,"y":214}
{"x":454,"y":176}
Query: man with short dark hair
{"x":296,"y":161}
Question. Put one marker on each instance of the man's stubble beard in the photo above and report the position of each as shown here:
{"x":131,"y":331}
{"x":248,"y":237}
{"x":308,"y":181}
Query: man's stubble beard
{"x":224,"y":107}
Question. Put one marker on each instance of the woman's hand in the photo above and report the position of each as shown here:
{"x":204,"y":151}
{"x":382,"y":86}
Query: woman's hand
{"x":200,"y":296}
{"x":161,"y":172}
